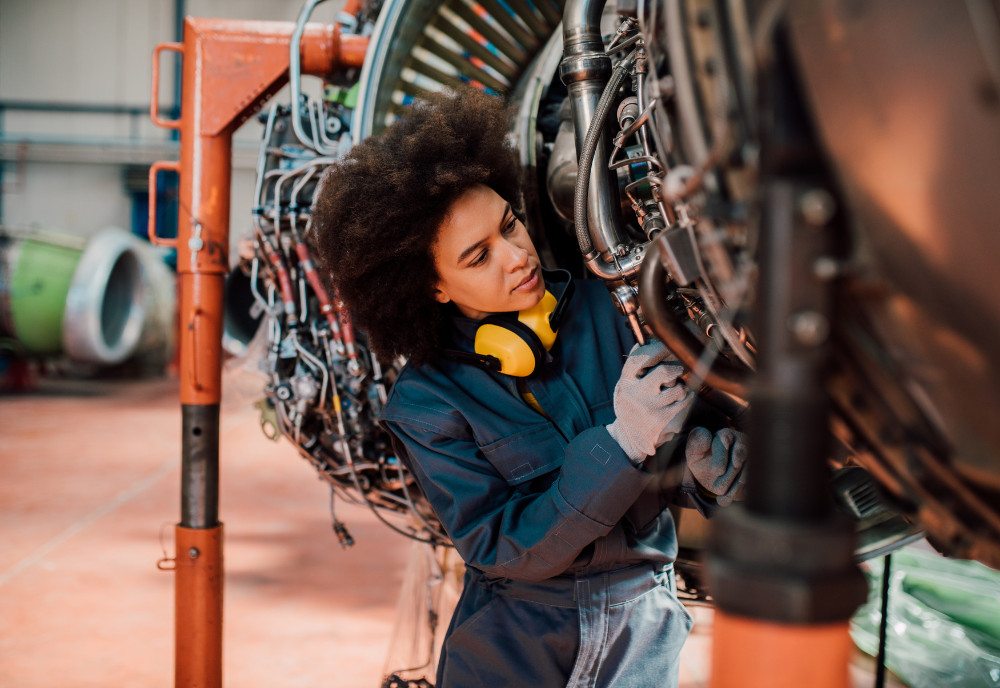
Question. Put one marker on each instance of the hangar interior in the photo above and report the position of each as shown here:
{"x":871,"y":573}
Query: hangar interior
{"x":200,"y":483}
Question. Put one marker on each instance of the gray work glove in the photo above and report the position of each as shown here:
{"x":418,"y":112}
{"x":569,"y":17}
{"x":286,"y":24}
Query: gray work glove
{"x":650,"y":401}
{"x":717,"y":463}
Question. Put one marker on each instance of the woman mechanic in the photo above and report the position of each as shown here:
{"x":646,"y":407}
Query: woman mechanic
{"x":538,"y":472}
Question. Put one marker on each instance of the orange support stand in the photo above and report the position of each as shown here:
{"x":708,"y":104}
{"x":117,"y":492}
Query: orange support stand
{"x":198,"y":606}
{"x":751,"y":653}
{"x":230,"y":69}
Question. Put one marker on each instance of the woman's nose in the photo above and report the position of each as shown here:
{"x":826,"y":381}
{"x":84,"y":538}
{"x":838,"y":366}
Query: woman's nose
{"x":516,"y":257}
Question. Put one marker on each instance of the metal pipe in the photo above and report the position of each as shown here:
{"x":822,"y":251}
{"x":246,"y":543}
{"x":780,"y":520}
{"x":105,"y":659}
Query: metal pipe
{"x":85,"y":108}
{"x":198,"y":607}
{"x":180,"y":9}
{"x":200,"y":466}
{"x":586,"y":71}
{"x":324,"y":144}
{"x":315,"y":364}
{"x":695,"y":145}
{"x":789,"y":434}
{"x":262,"y":163}
{"x":325,"y":304}
{"x":582,"y":27}
{"x":295,"y":70}
{"x":641,"y":68}
{"x":596,"y":208}
{"x":276,"y":212}
{"x":722,"y":374}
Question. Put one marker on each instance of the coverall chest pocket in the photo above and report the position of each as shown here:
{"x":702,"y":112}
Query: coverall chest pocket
{"x":603,"y":413}
{"x":527,"y":454}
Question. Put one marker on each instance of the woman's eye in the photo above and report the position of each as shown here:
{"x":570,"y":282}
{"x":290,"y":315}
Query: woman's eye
{"x":510,"y":225}
{"x":480,"y":259}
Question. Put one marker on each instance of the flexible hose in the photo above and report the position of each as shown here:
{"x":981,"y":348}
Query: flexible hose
{"x":587,"y":155}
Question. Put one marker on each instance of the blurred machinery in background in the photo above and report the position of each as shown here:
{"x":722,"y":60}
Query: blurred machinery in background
{"x":88,"y":300}
{"x":801,"y":209}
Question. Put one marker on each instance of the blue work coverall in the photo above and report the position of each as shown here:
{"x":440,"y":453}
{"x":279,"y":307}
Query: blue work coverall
{"x":569,"y":546}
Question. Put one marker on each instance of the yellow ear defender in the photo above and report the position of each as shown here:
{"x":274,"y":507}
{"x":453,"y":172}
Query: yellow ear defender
{"x":517,"y":344}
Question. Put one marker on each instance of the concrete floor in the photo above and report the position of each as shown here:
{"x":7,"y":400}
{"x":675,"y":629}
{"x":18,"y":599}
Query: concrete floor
{"x":88,"y":480}
{"x":89,"y":483}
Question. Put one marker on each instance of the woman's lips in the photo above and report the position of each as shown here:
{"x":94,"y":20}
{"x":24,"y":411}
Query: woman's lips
{"x":529,"y":282}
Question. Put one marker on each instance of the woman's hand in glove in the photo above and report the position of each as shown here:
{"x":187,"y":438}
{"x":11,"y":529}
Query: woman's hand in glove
{"x":650,"y":401}
{"x":717,"y":463}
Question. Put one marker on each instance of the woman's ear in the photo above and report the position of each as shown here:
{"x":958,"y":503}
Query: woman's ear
{"x":440,"y":296}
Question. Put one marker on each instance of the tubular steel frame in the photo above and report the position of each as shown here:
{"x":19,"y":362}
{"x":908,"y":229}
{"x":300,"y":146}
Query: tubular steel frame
{"x":230,"y":69}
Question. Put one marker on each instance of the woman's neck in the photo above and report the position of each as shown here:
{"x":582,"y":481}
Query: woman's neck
{"x":471,"y":312}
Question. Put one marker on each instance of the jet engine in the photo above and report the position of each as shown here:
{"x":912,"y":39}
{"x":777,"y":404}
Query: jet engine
{"x":797,"y":209}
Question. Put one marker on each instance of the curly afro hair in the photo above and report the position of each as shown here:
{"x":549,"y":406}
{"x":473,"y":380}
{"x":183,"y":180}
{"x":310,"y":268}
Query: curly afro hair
{"x":377,"y":214}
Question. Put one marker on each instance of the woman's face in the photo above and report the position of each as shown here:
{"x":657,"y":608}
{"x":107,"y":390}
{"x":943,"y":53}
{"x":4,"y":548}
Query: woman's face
{"x":484,"y":257}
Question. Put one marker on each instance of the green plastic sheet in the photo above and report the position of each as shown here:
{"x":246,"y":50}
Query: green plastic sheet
{"x":944,"y":620}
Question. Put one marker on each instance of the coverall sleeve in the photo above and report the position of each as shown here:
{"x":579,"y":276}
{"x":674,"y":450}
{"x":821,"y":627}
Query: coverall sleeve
{"x":506,"y":532}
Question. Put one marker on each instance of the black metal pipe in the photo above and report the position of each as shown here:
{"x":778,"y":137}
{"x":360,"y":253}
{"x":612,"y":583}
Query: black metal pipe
{"x":199,"y":466}
{"x":179,"y":12}
{"x":789,"y":441}
{"x":672,"y":332}
{"x":84,"y":108}
{"x":883,"y":624}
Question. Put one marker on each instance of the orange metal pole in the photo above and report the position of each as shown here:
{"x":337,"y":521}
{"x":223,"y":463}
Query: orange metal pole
{"x":231,"y":68}
{"x":198,"y":606}
{"x":758,"y":654}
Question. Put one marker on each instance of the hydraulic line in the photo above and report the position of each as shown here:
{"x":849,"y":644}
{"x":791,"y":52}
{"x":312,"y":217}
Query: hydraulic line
{"x":285,"y":284}
{"x":347,"y":332}
{"x":325,"y":306}
{"x":587,"y":154}
{"x":308,"y":267}
{"x":295,"y":73}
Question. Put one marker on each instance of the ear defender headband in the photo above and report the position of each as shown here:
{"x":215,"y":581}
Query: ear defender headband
{"x":517,"y":344}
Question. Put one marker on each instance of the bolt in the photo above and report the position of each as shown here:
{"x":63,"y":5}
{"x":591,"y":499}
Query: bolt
{"x":193,"y":552}
{"x":811,"y":328}
{"x":826,"y":268}
{"x":817,"y":207}
{"x":666,"y":85}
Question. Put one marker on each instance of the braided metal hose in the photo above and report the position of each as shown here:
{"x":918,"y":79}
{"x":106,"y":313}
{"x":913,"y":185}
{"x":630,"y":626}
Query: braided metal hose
{"x":587,"y":154}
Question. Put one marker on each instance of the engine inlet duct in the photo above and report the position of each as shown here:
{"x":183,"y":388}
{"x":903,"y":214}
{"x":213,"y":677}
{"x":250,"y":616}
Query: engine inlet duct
{"x":420,"y":46}
{"x":60,"y":294}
